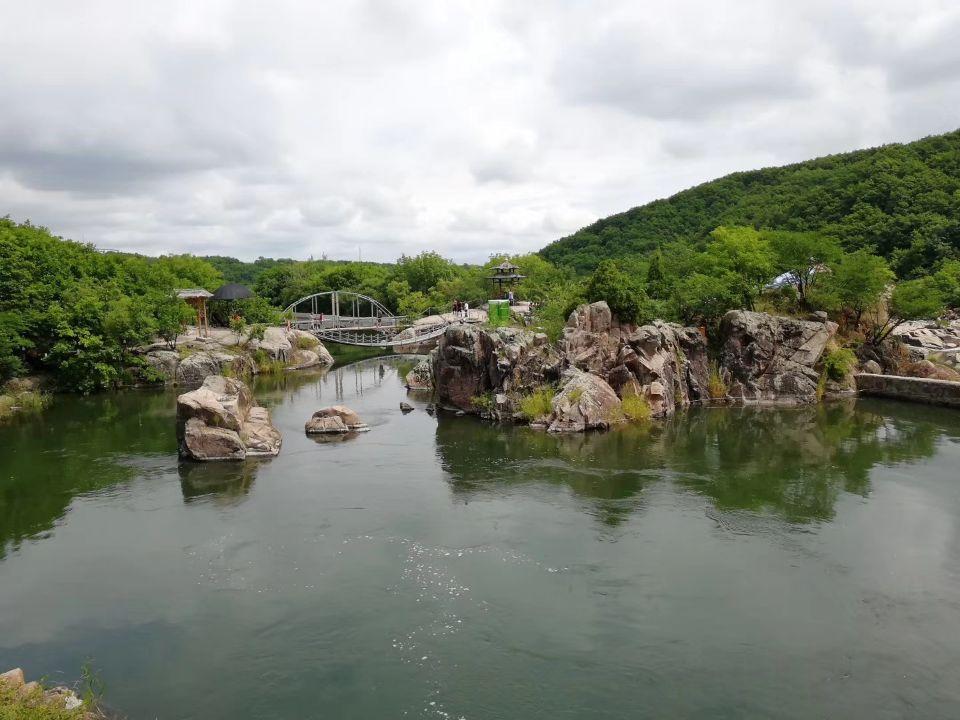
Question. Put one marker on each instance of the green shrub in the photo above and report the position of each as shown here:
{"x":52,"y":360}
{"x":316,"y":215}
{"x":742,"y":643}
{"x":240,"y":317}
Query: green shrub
{"x":635,"y":408}
{"x":716,"y":388}
{"x":306,"y":342}
{"x":537,"y":404}
{"x":484,"y":402}
{"x":838,"y":363}
{"x":257,"y":331}
{"x":266,"y":365}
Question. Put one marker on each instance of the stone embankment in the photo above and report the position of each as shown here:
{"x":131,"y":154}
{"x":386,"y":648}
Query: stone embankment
{"x":220,"y":421}
{"x":922,"y":390}
{"x":197,"y":358}
{"x":600,"y":361}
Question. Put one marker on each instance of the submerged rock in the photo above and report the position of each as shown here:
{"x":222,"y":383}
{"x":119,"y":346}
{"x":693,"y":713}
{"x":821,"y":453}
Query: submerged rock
{"x":335,"y":419}
{"x":406,"y":407}
{"x":219,"y":421}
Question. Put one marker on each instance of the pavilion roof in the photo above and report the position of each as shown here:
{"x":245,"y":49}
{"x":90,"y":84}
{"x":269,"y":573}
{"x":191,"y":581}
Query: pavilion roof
{"x":190,"y":293}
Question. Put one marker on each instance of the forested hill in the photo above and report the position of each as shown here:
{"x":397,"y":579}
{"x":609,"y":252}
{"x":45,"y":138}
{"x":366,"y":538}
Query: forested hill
{"x":901,"y":200}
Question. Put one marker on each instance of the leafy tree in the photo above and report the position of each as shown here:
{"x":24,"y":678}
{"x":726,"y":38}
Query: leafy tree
{"x":622,"y":292}
{"x":918,"y":299}
{"x":424,"y":271}
{"x":238,"y":325}
{"x":12,"y":344}
{"x":858,"y":280}
{"x":172,"y":316}
{"x":747,"y":256}
{"x":803,"y":255}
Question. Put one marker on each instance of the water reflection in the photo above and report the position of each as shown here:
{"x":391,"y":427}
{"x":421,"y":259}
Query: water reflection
{"x":791,"y":462}
{"x":79,"y":445}
{"x":225,"y":482}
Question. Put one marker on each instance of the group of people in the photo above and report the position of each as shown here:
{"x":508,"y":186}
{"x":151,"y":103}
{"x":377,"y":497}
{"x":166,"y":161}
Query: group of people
{"x":461,"y":309}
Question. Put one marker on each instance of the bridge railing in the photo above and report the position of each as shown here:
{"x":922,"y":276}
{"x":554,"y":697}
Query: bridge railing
{"x":309,"y":321}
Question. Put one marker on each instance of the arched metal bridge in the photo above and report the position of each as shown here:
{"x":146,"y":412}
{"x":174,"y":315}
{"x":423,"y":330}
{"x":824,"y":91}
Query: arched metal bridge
{"x":349,"y":318}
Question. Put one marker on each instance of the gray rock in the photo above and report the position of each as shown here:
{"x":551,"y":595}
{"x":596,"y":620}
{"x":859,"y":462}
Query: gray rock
{"x":219,"y":421}
{"x":406,"y":407}
{"x":421,"y":377}
{"x":348,"y":418}
{"x":471,"y":362}
{"x":585,"y":402}
{"x":164,"y":362}
{"x":771,"y":359}
{"x":196,"y":368}
{"x":872,"y":367}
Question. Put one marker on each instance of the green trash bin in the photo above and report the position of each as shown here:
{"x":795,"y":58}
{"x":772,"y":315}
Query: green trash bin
{"x":499,"y":311}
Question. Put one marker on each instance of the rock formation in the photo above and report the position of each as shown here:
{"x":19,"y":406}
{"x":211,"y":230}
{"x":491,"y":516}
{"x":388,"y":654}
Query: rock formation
{"x":421,"y":377}
{"x":198,"y":358}
{"x":585,"y":402}
{"x":471,"y":363}
{"x":601,"y":360}
{"x":664,"y":362}
{"x":765,"y":358}
{"x":335,"y":419}
{"x":219,"y":421}
{"x":59,"y":701}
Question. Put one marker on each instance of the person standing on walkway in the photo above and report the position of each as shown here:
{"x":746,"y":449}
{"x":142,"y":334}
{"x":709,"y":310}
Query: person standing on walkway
{"x":466,"y":310}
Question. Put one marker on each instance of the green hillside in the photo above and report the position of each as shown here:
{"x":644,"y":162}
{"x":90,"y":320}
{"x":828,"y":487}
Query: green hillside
{"x":903,"y":201}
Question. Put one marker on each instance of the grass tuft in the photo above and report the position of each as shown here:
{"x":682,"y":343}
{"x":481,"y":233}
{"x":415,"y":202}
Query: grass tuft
{"x":716,"y":388}
{"x":538,"y":404}
{"x":635,"y":408}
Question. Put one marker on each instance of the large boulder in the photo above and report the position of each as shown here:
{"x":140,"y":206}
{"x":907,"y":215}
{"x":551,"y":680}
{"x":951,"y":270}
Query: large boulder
{"x":207,"y":442}
{"x":335,"y":419}
{"x":219,"y":421}
{"x":164,"y":363}
{"x":765,"y":358}
{"x":664,"y":362}
{"x":471,"y":362}
{"x":197,"y":367}
{"x":421,"y":377}
{"x":585,"y":402}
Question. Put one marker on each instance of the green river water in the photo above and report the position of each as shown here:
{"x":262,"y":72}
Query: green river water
{"x":726,"y":563}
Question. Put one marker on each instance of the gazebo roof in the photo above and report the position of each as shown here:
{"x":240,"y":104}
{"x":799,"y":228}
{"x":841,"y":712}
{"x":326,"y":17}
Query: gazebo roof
{"x":191,"y":293}
{"x":232,"y":291}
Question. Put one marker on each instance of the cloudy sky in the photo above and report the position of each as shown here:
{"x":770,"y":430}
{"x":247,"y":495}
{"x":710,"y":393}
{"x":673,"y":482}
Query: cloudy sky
{"x":308,"y":128}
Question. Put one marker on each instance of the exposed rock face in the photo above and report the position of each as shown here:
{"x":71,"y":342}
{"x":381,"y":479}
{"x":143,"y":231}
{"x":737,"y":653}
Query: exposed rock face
{"x":219,"y":421}
{"x":586,"y":402}
{"x":767,"y":358}
{"x":664,"y":362}
{"x":210,"y":356}
{"x":872,"y":367}
{"x":421,"y":377}
{"x":471,"y":362}
{"x":196,"y":368}
{"x":335,"y":419}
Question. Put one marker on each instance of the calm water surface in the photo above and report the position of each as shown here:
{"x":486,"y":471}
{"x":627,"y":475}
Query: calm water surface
{"x":731,"y":563}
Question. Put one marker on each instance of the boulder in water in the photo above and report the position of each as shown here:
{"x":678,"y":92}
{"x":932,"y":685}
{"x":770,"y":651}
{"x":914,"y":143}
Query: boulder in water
{"x":406,"y":407}
{"x":331,"y":419}
{"x":585,"y":402}
{"x":219,"y":421}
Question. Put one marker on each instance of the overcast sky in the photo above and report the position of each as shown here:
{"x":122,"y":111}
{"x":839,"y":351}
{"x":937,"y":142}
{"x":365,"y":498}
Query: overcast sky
{"x":308,"y":128}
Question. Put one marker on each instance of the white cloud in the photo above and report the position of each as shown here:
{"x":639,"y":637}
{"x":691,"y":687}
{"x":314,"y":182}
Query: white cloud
{"x":380,"y":127}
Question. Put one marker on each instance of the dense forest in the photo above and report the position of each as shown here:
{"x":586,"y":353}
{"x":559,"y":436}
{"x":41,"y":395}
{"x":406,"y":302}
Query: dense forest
{"x":900,"y":201}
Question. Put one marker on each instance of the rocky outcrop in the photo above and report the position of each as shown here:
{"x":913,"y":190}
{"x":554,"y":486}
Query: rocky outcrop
{"x":199,"y":358}
{"x":765,"y":358}
{"x":663,"y":362}
{"x":471,"y":363}
{"x":421,"y":377}
{"x":219,"y":421}
{"x":585,"y":402}
{"x":335,"y":419}
{"x":195,"y":368}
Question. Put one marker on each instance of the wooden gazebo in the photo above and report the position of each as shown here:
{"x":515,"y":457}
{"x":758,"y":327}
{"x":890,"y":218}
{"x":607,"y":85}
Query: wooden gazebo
{"x":197,"y":299}
{"x":507,"y":274}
